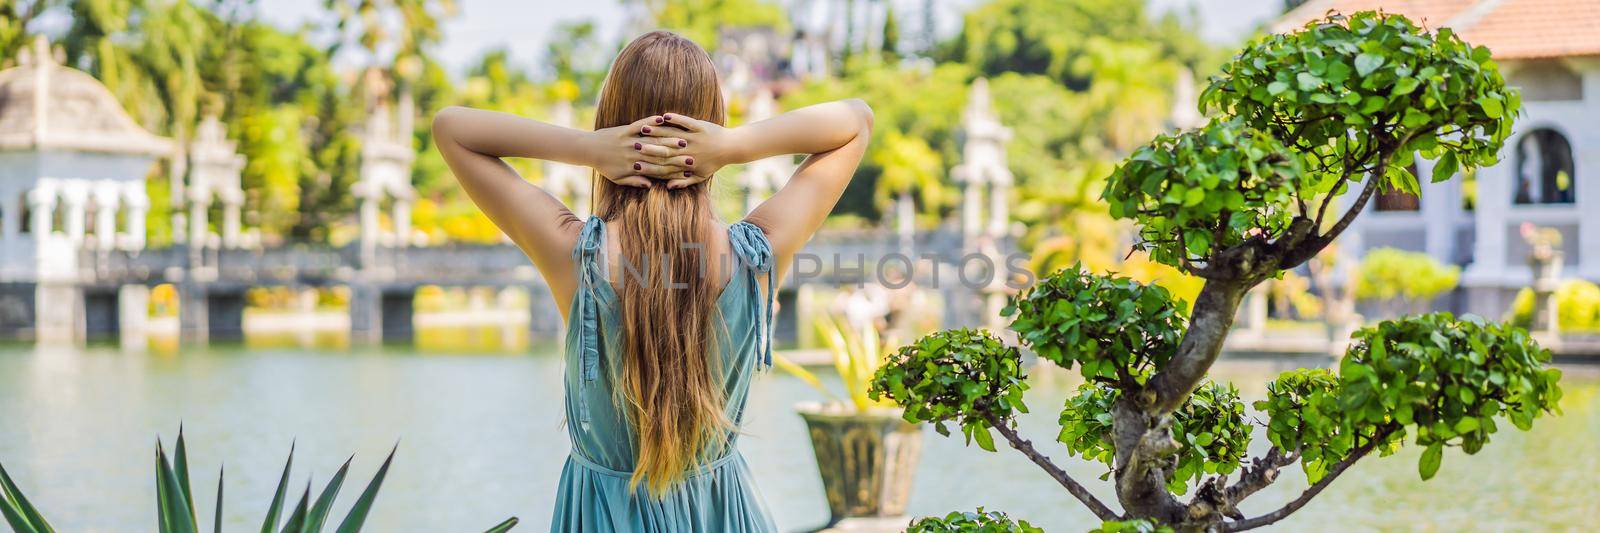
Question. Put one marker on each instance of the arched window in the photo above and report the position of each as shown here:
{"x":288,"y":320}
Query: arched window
{"x":1398,"y":200}
{"x":1544,"y":168}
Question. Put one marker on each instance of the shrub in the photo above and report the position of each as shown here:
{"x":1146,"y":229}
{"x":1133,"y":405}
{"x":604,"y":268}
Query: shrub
{"x":1577,"y":307}
{"x":1410,"y":278}
{"x":1302,"y":118}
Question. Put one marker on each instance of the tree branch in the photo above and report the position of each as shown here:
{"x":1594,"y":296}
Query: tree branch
{"x":1213,"y":315}
{"x":1311,"y":247}
{"x":1078,"y":490}
{"x":1313,"y":490}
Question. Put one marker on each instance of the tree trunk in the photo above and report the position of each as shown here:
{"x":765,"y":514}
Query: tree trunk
{"x":1141,"y":424}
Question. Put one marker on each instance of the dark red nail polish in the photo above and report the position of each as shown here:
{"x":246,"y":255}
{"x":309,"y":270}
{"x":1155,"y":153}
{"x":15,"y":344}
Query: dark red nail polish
{"x":689,"y":161}
{"x":682,"y":143}
{"x":647,"y":129}
{"x":658,"y":120}
{"x":687,"y":174}
{"x":637,"y":166}
{"x":637,"y":146}
{"x":668,"y":117}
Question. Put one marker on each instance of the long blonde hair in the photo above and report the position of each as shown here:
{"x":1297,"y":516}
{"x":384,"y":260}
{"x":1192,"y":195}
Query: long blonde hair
{"x":669,"y":385}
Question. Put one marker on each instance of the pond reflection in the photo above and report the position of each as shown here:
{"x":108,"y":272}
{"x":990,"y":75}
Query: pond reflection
{"x":481,"y":438}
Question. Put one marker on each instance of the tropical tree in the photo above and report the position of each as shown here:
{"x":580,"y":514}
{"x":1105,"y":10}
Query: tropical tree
{"x":1302,"y":118}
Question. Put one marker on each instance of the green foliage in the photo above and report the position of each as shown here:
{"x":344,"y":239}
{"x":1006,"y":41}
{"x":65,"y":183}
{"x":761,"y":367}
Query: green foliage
{"x":959,"y":375}
{"x":1577,"y":307}
{"x":972,"y":520}
{"x":1442,"y":379}
{"x":1397,"y":88}
{"x":979,"y":521}
{"x":1117,"y":330}
{"x":1210,"y":430}
{"x":1051,"y":38}
{"x":175,"y":512}
{"x":1137,"y":525}
{"x":1414,"y":277}
{"x":1206,"y":189}
{"x":701,"y":20}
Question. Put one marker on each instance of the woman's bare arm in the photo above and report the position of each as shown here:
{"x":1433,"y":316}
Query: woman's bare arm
{"x":473,"y":142}
{"x":834,"y":133}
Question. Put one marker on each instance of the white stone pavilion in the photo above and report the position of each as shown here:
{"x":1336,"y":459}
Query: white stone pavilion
{"x":72,"y":178}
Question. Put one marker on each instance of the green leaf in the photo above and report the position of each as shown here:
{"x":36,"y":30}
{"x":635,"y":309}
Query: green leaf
{"x":169,"y":494}
{"x":503,"y":526}
{"x":276,"y":508}
{"x":1277,"y":87}
{"x":1446,"y":167}
{"x":17,"y":510}
{"x":319,"y":511}
{"x":216,"y":525}
{"x":985,"y":440}
{"x":1430,"y":460}
{"x":358,"y":512}
{"x":180,"y":457}
{"x":1491,"y":106}
{"x":1366,"y":63}
{"x":297,"y":519}
{"x":1405,"y":85}
{"x":1466,"y":425}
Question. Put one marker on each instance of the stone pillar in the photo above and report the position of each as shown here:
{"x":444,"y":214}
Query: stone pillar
{"x":58,"y":313}
{"x":971,"y":212}
{"x":42,"y":207}
{"x":1440,"y":205}
{"x":369,"y":230}
{"x":1000,"y":206}
{"x":105,"y":214}
{"x":402,"y":222}
{"x":230,"y":224}
{"x":1485,"y":278}
{"x":193,"y":315}
{"x":905,"y":209}
{"x":198,"y":227}
{"x":133,"y":316}
{"x":74,"y":198}
{"x":137,"y":206}
{"x":366,"y":313}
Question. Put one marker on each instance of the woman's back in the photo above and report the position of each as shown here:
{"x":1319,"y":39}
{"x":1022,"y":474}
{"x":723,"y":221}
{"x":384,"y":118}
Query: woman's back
{"x":596,"y":493}
{"x":657,"y":379}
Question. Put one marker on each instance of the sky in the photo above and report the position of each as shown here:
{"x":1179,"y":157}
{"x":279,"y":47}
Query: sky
{"x":522,"y":27}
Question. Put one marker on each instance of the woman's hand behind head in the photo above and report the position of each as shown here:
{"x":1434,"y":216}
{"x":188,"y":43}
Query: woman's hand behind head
{"x":703,"y":147}
{"x":628,"y":157}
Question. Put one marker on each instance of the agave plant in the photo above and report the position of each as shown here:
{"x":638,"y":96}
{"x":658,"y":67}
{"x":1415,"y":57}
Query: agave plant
{"x":857,"y":354}
{"x":175,"y":500}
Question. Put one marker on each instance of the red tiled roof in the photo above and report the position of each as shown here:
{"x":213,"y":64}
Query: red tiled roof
{"x":1512,"y":29}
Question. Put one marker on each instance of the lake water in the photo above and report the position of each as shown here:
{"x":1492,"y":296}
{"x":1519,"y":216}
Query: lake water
{"x":481,"y":438}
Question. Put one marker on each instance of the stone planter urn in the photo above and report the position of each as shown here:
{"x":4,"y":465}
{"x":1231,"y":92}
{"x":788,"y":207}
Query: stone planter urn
{"x":866,"y":460}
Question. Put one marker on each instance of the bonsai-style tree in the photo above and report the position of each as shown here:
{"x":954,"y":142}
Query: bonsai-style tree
{"x":1301,"y":119}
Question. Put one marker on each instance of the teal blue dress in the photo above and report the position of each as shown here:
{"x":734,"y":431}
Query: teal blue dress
{"x":594,"y":495}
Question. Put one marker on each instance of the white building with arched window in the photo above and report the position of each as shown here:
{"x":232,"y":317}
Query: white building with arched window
{"x":1549,"y":171}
